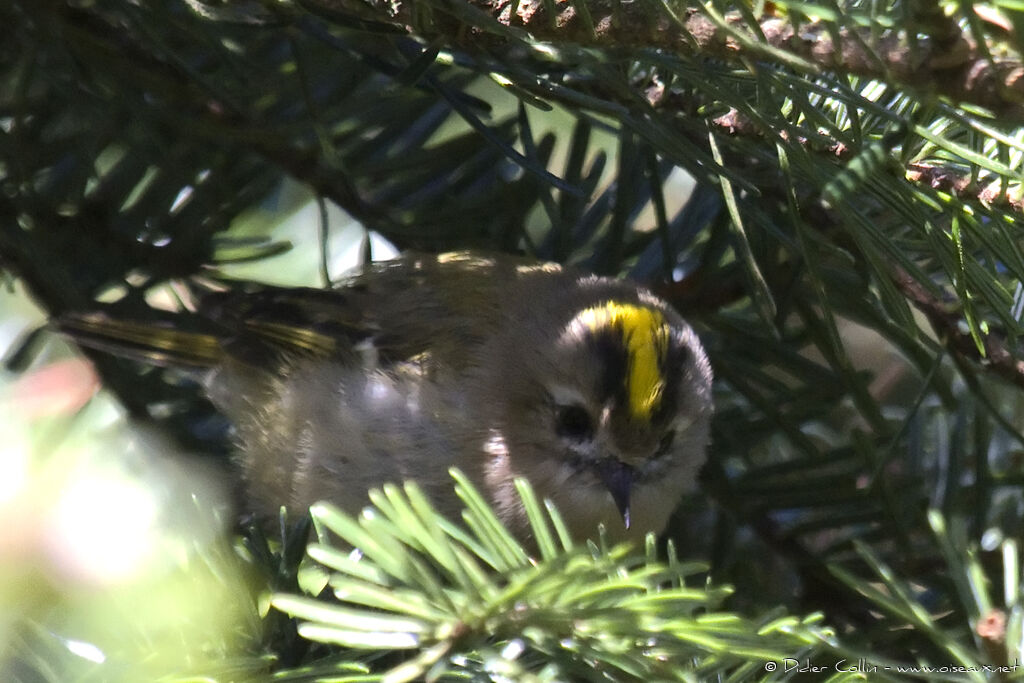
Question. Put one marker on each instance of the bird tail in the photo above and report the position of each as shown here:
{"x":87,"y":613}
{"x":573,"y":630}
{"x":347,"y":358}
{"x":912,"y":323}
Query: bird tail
{"x":150,"y":342}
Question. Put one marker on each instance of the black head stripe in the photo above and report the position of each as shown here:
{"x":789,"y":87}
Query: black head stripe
{"x":609,"y":346}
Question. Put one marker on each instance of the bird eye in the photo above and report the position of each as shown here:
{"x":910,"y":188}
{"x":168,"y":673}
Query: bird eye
{"x":682,"y":355}
{"x":666,"y":442}
{"x":574,"y":423}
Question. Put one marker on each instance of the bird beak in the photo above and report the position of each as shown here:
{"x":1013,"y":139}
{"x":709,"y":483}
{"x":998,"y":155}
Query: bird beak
{"x":618,"y":479}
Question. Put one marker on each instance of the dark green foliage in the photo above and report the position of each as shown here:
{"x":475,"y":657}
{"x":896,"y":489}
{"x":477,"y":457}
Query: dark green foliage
{"x":849,"y":251}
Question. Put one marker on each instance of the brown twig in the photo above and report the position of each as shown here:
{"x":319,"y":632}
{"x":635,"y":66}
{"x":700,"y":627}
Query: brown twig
{"x":944,"y":63}
{"x":937,"y":177}
{"x":951,"y":328}
{"x":964,"y":187}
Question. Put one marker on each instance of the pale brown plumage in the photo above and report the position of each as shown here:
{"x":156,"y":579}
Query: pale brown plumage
{"x":592,"y":388}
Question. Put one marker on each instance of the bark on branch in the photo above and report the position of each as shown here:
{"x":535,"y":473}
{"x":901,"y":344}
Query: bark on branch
{"x":949,"y":325}
{"x":946,"y":63}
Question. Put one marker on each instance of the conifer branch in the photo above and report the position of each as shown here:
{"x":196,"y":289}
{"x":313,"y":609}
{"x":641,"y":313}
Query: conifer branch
{"x":948,"y":323}
{"x":935,"y":176}
{"x":946,"y":62}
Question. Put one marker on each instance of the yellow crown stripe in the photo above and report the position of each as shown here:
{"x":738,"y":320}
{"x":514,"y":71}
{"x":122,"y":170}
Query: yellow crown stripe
{"x":645,"y":334}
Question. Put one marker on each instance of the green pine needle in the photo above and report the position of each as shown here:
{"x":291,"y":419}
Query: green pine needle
{"x":418,"y":586}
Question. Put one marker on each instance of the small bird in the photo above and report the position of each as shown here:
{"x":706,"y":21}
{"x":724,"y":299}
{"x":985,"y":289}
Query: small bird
{"x":591,"y":388}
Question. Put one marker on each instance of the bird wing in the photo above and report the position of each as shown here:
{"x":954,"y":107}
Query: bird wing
{"x":163,"y":343}
{"x":253,"y":325}
{"x":404,"y":310}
